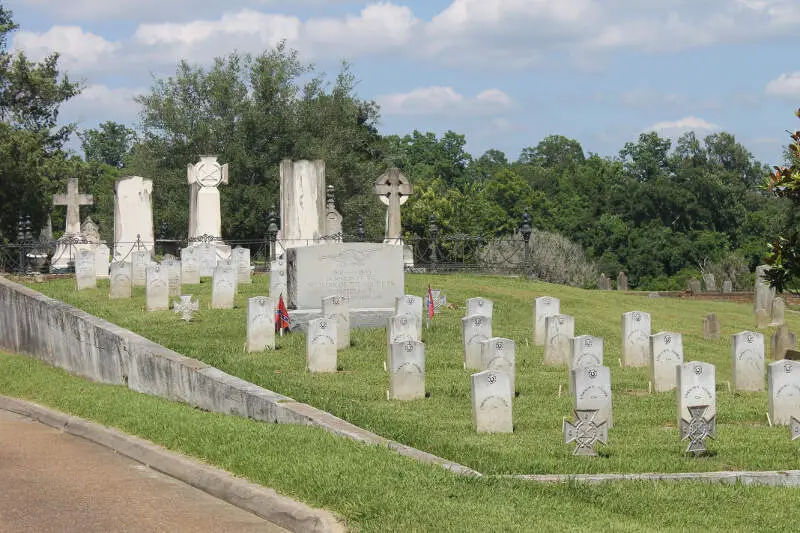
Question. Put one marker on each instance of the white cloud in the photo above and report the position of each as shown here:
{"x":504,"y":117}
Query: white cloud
{"x":79,"y":50}
{"x":95,"y":101}
{"x":677,"y":127}
{"x":785,"y":85}
{"x":444,"y":101}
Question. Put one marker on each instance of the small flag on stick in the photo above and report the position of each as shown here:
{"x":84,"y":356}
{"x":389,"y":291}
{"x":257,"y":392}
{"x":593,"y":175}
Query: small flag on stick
{"x":430,"y":307}
{"x":281,"y":316}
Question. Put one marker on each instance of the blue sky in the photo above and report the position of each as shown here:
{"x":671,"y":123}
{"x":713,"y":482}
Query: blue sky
{"x":504,"y":72}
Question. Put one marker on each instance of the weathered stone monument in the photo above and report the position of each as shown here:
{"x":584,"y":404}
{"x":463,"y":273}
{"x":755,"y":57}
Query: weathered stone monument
{"x":321,"y":346}
{"x":762,"y":318}
{"x":694,"y":286}
{"x":591,"y":390}
{"x":84,"y":269}
{"x":173,"y":268}
{"x":410,"y":305}
{"x":241,"y":257}
{"x":696,"y":386}
{"x":223,"y":285}
{"x":157,"y":288}
{"x":727,"y":286}
{"x":622,"y":282}
{"x":491,"y":402}
{"x":65,"y":253}
{"x":500,"y":355}
{"x":121,"y":284}
{"x":782,"y":340}
{"x":764,"y":294}
{"x":475,"y":329}
{"x":190,"y":265}
{"x":133,"y":216}
{"x":333,"y":219}
{"x":102,"y":260}
{"x":393,"y":190}
{"x":636,"y":338}
{"x":543,"y":307}
{"x":208,"y":258}
{"x":370,"y":275}
{"x":185,"y":307}
{"x":140,"y":260}
{"x":666,"y":351}
{"x":260,"y":324}
{"x":778,"y":312}
{"x":604,"y":284}
{"x":586,"y":351}
{"x":710,"y":282}
{"x":784,"y":391}
{"x":407,"y":370}
{"x":337,"y":310}
{"x":302,"y":202}
{"x":205,"y":216}
{"x":559,"y":330}
{"x":748,"y":361}
{"x":711,"y":327}
{"x":479,"y":306}
{"x":277,"y":279}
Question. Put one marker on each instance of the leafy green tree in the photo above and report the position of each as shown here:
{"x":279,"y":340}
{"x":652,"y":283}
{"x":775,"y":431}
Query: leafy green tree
{"x":110,"y":144}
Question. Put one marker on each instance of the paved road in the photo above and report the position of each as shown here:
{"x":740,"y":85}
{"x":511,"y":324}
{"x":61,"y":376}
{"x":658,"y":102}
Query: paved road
{"x":54,"y":482}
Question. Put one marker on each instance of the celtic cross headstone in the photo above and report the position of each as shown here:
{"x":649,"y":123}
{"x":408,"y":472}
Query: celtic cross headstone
{"x":585,"y":432}
{"x":185,"y":307}
{"x":698,"y":428}
{"x":393,"y":190}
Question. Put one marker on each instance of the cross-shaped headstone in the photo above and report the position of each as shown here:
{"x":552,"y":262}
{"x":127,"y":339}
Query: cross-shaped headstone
{"x":185,"y":307}
{"x":585,"y":432}
{"x":393,"y":189}
{"x":794,"y":428}
{"x":73,"y":200}
{"x":698,"y":429}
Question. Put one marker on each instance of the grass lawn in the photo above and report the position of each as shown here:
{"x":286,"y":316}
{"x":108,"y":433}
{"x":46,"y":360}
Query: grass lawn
{"x":374,"y":489}
{"x":644,"y":437}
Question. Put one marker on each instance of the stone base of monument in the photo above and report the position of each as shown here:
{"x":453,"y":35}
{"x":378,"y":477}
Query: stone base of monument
{"x":359,"y":318}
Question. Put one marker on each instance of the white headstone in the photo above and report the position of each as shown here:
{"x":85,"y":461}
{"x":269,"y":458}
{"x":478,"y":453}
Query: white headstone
{"x":696,"y":384}
{"x":500,"y":355}
{"x":636,"y":338}
{"x":260,"y":324}
{"x":121,"y":282}
{"x":666,"y":350}
{"x":764,"y":294}
{"x":543,"y":307}
{"x":133,"y":216}
{"x":242,"y":258}
{"x":173,"y":268}
{"x":401,"y":328}
{"x":491,"y":402}
{"x":321,"y":345}
{"x":223,"y":286}
{"x":190,"y":265}
{"x":157,"y":288}
{"x":205,"y":216}
{"x":784,"y":391}
{"x":407,"y":370}
{"x":102,"y":260}
{"x":277,"y":279}
{"x":84,"y":269}
{"x":337,"y":310}
{"x":410,"y":305}
{"x":748,"y":361}
{"x":778,"y":312}
{"x":302,"y":201}
{"x":474,"y":330}
{"x":479,"y":306}
{"x":208,"y":258}
{"x":591,"y":389}
{"x":586,"y":351}
{"x":140,"y":260}
{"x":559,"y":330}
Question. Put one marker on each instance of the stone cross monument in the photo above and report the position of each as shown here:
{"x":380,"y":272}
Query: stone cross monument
{"x":73,"y":200}
{"x":393,"y":189}
{"x":205,"y":217}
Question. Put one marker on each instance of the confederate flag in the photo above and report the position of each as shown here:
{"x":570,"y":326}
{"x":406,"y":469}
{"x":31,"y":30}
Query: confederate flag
{"x":281,"y":316}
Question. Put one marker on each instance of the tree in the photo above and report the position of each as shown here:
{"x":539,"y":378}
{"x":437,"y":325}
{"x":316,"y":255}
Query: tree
{"x":647,"y":158}
{"x":30,"y":138}
{"x":108,"y":145}
{"x":554,"y":151}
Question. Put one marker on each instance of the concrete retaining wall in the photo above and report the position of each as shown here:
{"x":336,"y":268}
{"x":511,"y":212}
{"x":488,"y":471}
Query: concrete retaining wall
{"x":63,"y":336}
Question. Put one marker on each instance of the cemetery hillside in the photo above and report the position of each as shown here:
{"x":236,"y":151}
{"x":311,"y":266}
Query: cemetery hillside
{"x":255,"y":293}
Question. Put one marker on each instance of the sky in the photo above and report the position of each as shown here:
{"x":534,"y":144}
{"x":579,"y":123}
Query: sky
{"x":506,"y":73}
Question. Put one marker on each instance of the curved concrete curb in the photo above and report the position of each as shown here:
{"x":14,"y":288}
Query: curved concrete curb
{"x":261,"y":501}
